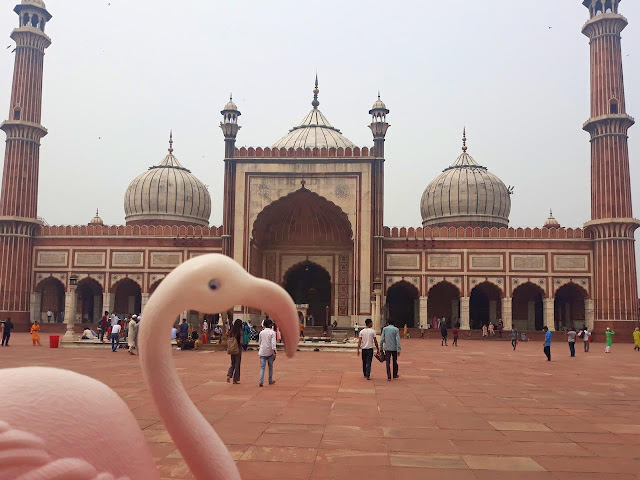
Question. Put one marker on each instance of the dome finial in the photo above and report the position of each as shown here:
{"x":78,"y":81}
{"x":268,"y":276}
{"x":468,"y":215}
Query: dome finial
{"x":171,"y":141}
{"x":464,"y":139}
{"x":315,"y":102}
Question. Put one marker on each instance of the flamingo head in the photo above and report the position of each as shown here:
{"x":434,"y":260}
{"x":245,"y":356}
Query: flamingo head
{"x":215,"y":283}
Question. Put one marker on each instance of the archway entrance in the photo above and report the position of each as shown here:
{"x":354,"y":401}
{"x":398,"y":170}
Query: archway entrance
{"x":309,"y":283}
{"x":569,"y":308}
{"x":527,"y":309}
{"x":128,"y":298}
{"x":401,"y":304}
{"x":89,"y":304}
{"x":444,"y":301}
{"x":52,"y":293}
{"x":484,"y":305}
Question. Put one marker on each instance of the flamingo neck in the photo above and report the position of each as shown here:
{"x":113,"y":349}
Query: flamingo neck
{"x":200,"y":446}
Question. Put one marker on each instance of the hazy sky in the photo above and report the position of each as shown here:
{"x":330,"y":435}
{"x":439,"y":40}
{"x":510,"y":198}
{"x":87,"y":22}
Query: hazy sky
{"x":121,"y":73}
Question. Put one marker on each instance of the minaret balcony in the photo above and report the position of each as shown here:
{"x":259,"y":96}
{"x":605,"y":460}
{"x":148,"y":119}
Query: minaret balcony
{"x":604,"y":24}
{"x":19,"y":130}
{"x":609,"y":125}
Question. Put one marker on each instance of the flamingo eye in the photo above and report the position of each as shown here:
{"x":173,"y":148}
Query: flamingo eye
{"x":214,"y":284}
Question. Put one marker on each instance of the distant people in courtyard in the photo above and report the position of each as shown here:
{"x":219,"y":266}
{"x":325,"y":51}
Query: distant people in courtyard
{"x":571,"y":338}
{"x":444,"y":333}
{"x":455,"y":333}
{"x":49,"y":316}
{"x":35,"y":333}
{"x":355,"y":330}
{"x":267,"y":351}
{"x":405,"y":331}
{"x":174,"y":333}
{"x":103,"y":325}
{"x":301,"y":323}
{"x":217,"y":332}
{"x":183,"y":331}
{"x":485,"y":332}
{"x":246,"y":335}
{"x":586,"y":338}
{"x":500,"y":327}
{"x":366,"y":341}
{"x":492,"y":331}
{"x":131,"y":335}
{"x":114,"y":321}
{"x":434,"y":323}
{"x":421,"y":330}
{"x":115,"y":337}
{"x":390,"y":344}
{"x":609,"y":334}
{"x":88,"y":334}
{"x":636,"y":339}
{"x":514,"y":337}
{"x":547,"y":342}
{"x":205,"y":332}
{"x":310,"y":319}
{"x":6,"y":332}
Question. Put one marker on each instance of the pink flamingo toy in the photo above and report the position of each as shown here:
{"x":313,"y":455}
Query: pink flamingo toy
{"x":89,"y":433}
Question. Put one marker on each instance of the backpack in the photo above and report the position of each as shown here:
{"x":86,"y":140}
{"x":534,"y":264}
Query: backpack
{"x":232,"y":346}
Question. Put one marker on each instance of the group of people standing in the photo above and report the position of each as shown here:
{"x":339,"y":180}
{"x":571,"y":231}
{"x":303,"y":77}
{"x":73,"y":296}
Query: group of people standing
{"x":116,"y":329}
{"x":238,"y":341}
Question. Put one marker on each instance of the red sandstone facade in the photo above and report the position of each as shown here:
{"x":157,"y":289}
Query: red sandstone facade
{"x":297,"y":214}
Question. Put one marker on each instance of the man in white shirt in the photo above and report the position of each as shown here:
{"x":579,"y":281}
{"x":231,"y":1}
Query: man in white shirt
{"x":115,"y":337}
{"x":366,"y":341}
{"x":114,"y":320}
{"x":267,"y":350}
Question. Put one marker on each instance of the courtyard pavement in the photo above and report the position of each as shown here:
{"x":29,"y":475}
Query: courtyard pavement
{"x":476,"y":412}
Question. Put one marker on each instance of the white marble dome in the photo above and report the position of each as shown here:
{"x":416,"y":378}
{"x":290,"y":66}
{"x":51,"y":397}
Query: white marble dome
{"x":35,"y":3}
{"x":466,"y":193}
{"x":167,"y":194}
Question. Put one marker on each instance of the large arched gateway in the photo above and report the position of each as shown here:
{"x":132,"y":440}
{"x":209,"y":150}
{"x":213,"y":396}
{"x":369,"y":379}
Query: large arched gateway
{"x":310,"y":284}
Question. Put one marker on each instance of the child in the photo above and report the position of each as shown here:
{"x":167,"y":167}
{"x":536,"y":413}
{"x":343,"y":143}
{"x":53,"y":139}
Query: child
{"x":455,"y":334}
{"x":636,"y":339}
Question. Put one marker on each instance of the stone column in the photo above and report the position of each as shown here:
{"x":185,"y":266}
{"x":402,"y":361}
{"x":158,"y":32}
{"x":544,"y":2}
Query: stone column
{"x":143,"y":303}
{"x":378,"y":315}
{"x":589,"y":313}
{"x":424,"y":317}
{"x":70,"y":300}
{"x":548,"y":313}
{"x":36,"y":298}
{"x":507,"y":315}
{"x":108,"y":300}
{"x":464,"y":314}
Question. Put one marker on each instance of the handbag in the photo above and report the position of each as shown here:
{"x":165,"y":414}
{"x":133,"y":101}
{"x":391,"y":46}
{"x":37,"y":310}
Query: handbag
{"x":381,"y":356}
{"x":232,"y":346}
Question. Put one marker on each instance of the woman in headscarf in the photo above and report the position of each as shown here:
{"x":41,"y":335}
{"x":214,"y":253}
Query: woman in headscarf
{"x":234,"y":369}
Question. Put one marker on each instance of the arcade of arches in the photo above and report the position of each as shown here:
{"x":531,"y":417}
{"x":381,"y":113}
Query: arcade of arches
{"x":528,"y":309}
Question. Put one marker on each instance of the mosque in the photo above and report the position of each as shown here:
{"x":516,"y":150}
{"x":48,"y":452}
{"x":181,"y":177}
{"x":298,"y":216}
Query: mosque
{"x":307,"y":213}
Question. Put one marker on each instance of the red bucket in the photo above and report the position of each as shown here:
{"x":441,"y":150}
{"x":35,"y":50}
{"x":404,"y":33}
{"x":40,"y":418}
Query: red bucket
{"x":54,"y":341}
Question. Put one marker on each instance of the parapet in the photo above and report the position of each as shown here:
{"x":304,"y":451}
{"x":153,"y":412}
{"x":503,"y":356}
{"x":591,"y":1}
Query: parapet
{"x":427,"y":233}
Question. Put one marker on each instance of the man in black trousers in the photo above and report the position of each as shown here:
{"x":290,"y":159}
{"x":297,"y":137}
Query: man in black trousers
{"x":6,"y":332}
{"x":367,"y":339}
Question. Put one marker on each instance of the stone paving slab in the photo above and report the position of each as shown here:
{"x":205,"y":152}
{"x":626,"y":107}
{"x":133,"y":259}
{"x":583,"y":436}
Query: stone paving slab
{"x":478,"y":412}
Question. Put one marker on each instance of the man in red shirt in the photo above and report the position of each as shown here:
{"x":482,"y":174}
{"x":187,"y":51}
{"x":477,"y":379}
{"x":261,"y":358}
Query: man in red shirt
{"x":102,"y":327}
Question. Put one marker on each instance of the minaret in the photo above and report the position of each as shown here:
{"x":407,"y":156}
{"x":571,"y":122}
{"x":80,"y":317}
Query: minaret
{"x":379,"y":127}
{"x":19,"y":198}
{"x":612,"y":224}
{"x":230,"y":128}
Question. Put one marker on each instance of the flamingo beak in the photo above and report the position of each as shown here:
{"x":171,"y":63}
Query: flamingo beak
{"x":278,"y":304}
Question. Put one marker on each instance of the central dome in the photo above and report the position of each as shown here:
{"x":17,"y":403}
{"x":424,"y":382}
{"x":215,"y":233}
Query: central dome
{"x":314,"y":131}
{"x":167,"y":194}
{"x":466,"y":194}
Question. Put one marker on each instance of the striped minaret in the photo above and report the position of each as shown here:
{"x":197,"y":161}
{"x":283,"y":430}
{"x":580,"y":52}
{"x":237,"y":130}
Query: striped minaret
{"x":19,"y":198}
{"x":612,"y":224}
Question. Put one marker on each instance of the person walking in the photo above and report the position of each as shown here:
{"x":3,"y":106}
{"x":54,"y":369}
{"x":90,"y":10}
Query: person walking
{"x":366,"y":341}
{"x":390,"y":344}
{"x":267,"y":350}
{"x":484,"y":331}
{"x":636,"y":339}
{"x":571,"y":337}
{"x":115,"y":337}
{"x":492,"y":330}
{"x":102,"y":326}
{"x":246,"y":336}
{"x":6,"y":332}
{"x":184,"y":332}
{"x":609,"y":333}
{"x":455,"y":334}
{"x":547,"y":342}
{"x":444,"y":332}
{"x":586,"y":338}
{"x":421,"y":330}
{"x":514,"y":337}
{"x":131,"y":334}
{"x":35,"y":334}
{"x":234,"y":349}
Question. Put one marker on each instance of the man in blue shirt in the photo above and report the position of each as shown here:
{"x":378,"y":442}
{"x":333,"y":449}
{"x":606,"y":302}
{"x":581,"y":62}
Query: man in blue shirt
{"x":390,"y":343}
{"x":547,"y":343}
